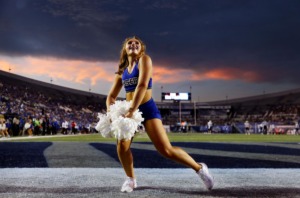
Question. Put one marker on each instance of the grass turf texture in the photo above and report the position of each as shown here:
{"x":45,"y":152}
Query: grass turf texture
{"x":174,"y":137}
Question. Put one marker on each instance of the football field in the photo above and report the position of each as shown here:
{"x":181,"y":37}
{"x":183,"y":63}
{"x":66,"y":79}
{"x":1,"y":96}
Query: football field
{"x":88,"y":166}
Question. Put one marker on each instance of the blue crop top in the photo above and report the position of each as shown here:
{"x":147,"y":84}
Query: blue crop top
{"x":130,"y":80}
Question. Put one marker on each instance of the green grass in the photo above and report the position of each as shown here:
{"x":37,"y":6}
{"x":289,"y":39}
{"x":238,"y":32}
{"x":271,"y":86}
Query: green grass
{"x":174,"y":137}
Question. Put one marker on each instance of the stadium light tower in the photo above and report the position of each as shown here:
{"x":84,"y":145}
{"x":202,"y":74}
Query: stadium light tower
{"x":161,"y":88}
{"x":191,"y":92}
{"x":179,"y":111}
{"x":195,"y":117}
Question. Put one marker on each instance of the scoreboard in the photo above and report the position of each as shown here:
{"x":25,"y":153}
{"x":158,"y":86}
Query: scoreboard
{"x":176,"y":96}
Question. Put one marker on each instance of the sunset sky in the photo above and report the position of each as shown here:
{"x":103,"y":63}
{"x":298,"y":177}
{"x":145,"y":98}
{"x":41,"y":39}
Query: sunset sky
{"x":216,"y":48}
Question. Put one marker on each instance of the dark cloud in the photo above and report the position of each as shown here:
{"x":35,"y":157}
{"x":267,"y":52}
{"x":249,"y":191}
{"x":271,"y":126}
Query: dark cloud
{"x":256,"y":35}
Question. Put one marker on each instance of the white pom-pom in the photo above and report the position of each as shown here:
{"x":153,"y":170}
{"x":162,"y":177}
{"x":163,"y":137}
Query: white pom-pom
{"x":104,"y":126}
{"x":137,"y":116}
{"x":124,"y":128}
{"x":120,"y":108}
{"x":114,"y":124}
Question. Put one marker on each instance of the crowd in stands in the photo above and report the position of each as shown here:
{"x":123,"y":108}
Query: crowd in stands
{"x":28,"y":111}
{"x":25,"y":110}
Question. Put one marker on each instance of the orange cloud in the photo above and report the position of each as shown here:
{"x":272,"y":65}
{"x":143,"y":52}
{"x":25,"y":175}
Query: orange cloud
{"x":231,"y":74}
{"x":5,"y":66}
{"x":68,"y":70}
{"x":164,"y":75}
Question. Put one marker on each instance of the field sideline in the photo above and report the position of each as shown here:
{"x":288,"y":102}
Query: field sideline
{"x":174,"y":137}
{"x":86,"y":165}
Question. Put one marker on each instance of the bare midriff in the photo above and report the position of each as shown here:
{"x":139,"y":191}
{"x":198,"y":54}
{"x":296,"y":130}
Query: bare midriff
{"x":148,"y":95}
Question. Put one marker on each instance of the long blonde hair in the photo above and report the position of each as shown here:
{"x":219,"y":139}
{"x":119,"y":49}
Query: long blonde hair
{"x":123,"y":63}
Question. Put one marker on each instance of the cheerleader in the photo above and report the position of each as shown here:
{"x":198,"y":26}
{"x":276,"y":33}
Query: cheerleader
{"x":28,"y":127}
{"x":135,"y":74}
{"x":3,"y":129}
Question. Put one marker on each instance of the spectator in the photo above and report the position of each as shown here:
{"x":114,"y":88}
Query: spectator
{"x":73,"y":125}
{"x":296,"y":128}
{"x":64,"y":127}
{"x":264,"y":127}
{"x":272,"y":129}
{"x":15,"y":126}
{"x":247,"y":127}
{"x":21,"y":125}
{"x":37,"y":127}
{"x":209,"y":126}
{"x":54,"y":126}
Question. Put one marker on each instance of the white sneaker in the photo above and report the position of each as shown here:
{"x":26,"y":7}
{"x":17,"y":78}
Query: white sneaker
{"x":206,"y":176}
{"x":129,"y":185}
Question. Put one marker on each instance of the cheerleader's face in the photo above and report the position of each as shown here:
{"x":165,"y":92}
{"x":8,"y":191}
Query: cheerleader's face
{"x":133,"y":47}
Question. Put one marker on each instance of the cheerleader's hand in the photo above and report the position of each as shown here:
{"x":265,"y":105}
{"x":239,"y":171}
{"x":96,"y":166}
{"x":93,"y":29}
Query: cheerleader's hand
{"x":129,"y":114}
{"x":111,"y":103}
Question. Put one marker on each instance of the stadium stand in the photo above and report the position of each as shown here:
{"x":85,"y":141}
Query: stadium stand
{"x":46,"y":106}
